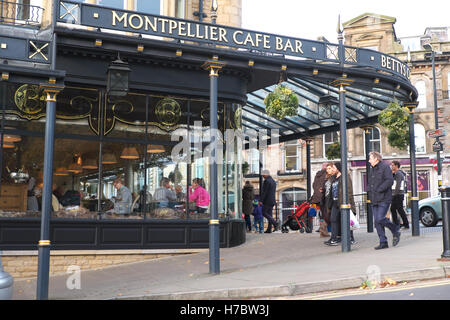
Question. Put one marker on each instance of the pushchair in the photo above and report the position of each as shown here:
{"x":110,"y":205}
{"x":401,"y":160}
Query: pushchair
{"x":299,"y":220}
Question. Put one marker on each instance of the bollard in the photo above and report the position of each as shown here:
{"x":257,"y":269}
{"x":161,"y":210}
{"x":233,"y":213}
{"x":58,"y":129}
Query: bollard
{"x":445,"y":202}
{"x":6,"y":283}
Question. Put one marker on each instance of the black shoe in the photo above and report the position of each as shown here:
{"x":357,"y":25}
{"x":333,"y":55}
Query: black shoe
{"x":268,"y":231}
{"x":318,"y":230}
{"x":332,"y":242}
{"x":405,"y":226}
{"x":396,"y":239}
{"x":275,"y":227}
{"x":352,"y":241}
{"x":382,"y":245}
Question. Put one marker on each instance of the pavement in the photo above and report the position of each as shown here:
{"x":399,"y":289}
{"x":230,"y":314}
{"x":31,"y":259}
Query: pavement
{"x":266,"y":265}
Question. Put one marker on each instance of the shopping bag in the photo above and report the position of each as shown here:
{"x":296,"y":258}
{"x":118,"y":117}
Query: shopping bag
{"x":354,"y":224}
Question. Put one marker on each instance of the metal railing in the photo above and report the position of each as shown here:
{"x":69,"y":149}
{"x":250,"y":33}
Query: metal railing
{"x":20,"y":14}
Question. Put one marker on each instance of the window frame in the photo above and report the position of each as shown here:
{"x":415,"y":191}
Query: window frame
{"x":325,"y":144}
{"x":298,"y":159}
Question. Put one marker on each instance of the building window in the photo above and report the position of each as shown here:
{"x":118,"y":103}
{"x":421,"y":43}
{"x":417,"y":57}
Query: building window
{"x":117,"y":4}
{"x":151,"y":7}
{"x":374,"y":140}
{"x":289,"y":198}
{"x":419,"y":138}
{"x":422,"y":91}
{"x":328,"y":139}
{"x":180,"y":9}
{"x":253,"y":161}
{"x":292,"y":156}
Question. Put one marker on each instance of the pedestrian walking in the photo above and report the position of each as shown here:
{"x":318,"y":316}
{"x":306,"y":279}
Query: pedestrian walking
{"x":398,"y":195}
{"x":325,"y":205}
{"x":318,"y":189}
{"x":248,"y":196}
{"x":267,"y":199}
{"x":258,"y":219}
{"x":379,"y":191}
{"x":337,"y":200}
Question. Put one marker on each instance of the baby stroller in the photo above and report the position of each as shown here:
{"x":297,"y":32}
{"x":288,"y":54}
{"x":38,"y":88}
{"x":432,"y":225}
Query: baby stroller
{"x":298,"y":220}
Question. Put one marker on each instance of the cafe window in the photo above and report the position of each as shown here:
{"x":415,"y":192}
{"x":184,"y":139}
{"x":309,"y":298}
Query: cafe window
{"x":92,"y":152}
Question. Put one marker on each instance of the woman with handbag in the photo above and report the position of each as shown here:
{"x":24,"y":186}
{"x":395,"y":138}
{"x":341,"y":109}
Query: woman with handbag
{"x":336,"y":195}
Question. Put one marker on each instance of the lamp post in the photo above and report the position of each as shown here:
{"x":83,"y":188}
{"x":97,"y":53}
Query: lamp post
{"x":436,"y":119}
{"x":214,"y":8}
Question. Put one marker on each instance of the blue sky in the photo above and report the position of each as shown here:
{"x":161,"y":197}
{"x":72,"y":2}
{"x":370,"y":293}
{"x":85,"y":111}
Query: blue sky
{"x":310,"y":19}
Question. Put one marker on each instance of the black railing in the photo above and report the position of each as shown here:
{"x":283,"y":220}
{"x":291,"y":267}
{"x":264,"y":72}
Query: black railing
{"x":20,"y":14}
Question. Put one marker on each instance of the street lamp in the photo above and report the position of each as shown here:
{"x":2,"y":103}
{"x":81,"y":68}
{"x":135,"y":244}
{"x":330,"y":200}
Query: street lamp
{"x":214,"y":8}
{"x":427,"y":46}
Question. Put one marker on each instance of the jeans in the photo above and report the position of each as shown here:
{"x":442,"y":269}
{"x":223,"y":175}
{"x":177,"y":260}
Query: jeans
{"x":397,"y":207}
{"x":248,"y":222}
{"x":258,"y":224}
{"x":379,"y":211}
{"x":335,"y":222}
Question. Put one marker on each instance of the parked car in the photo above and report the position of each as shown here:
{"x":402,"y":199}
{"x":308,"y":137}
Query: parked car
{"x":430,"y":211}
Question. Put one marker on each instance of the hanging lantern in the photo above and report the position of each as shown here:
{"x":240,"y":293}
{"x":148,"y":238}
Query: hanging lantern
{"x":328,"y":108}
{"x":117,"y":78}
{"x":90,"y":164}
{"x":109,"y":158}
{"x":129,"y":153}
{"x":155,"y":148}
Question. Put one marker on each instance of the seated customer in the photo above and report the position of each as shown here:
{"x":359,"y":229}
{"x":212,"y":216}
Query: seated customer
{"x":164,"y":194}
{"x":123,"y":200}
{"x":199,"y":195}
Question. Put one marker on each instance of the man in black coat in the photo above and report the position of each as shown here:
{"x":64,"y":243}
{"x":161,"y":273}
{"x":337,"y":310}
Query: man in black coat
{"x":268,"y":200}
{"x":380,"y":195}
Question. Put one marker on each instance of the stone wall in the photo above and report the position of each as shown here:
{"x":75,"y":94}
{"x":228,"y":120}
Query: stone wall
{"x":24,"y":264}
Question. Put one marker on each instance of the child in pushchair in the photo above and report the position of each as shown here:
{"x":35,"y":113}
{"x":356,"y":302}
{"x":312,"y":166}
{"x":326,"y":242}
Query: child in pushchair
{"x":301,"y":219}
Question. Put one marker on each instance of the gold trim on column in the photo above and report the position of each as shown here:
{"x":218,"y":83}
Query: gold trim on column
{"x":368,"y":201}
{"x":5,"y":75}
{"x":251,"y":63}
{"x":179,"y":53}
{"x":98,"y":43}
{"x":284,"y":67}
{"x":213,"y":66}
{"x":214,"y":221}
{"x":44,"y":242}
{"x":315,"y":72}
{"x":140,"y":48}
{"x":414,"y":198}
{"x":345,"y":206}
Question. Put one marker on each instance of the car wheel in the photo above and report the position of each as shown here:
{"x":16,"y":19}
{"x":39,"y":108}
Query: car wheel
{"x":428,"y":217}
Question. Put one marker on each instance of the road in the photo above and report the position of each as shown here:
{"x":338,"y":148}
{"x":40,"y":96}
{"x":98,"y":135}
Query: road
{"x":418,"y":290}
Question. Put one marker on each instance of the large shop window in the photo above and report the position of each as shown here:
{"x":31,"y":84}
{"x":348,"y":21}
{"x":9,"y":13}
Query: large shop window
{"x":99,"y":141}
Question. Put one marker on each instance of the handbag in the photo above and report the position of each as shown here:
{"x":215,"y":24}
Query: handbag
{"x":354,"y":223}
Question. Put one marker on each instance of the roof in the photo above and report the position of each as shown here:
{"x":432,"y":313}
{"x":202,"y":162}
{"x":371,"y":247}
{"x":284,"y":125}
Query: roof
{"x":357,"y":21}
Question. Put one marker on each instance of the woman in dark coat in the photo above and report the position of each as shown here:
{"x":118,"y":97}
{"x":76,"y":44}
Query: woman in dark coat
{"x":247,"y":203}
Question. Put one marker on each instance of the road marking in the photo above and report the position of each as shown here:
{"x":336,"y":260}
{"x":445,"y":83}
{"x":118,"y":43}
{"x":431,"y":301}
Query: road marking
{"x":378,"y":290}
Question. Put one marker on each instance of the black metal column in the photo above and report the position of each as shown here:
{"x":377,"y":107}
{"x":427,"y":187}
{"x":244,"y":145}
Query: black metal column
{"x":308,"y":167}
{"x":412,"y":154}
{"x":44,"y":242}
{"x":368,"y":206}
{"x":214,"y":245}
{"x":445,"y":202}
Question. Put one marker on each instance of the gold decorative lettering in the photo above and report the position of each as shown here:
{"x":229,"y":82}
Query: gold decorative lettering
{"x":163,"y":26}
{"x":130,"y":21}
{"x":120,"y":19}
{"x":249,"y":38}
{"x":298,"y":46}
{"x":213,"y":34}
{"x":223,"y":35}
{"x":197,"y":32}
{"x":266,"y":41}
{"x":190,"y":34}
{"x":182,"y":28}
{"x":235,"y":38}
{"x":278,"y":43}
{"x":288,"y":44}
{"x":172,"y":26}
{"x":153,"y":25}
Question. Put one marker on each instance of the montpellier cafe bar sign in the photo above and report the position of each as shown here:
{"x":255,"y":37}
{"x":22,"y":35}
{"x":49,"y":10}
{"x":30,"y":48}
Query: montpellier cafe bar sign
{"x":156,"y":25}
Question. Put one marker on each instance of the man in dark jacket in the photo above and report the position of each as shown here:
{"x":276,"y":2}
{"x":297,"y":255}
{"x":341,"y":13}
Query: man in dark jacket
{"x":268,"y":199}
{"x":380,"y":195}
{"x":398,"y":195}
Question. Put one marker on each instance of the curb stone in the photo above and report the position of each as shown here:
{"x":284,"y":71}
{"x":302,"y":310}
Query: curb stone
{"x":293,"y":289}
